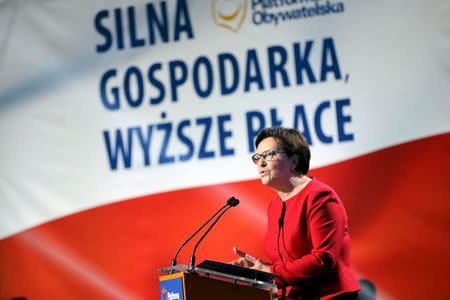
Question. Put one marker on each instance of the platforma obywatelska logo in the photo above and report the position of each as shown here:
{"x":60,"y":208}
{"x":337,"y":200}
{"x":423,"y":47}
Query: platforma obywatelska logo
{"x":229,"y":14}
{"x":166,"y":295}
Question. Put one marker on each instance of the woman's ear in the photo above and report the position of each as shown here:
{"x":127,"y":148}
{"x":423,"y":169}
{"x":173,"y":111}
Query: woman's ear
{"x":294,"y":161}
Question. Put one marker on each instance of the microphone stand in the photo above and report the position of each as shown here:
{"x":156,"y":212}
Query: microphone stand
{"x":192,"y":260}
{"x":230,"y":202}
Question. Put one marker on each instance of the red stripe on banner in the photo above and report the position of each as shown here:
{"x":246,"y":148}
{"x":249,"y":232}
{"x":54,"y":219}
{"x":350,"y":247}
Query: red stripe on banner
{"x":396,"y":198}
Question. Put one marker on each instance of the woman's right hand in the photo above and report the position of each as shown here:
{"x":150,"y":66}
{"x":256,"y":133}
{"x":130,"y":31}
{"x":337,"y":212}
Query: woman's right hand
{"x":248,"y":261}
{"x":241,"y":260}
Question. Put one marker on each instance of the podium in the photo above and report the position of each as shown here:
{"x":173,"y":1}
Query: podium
{"x":182,"y":282}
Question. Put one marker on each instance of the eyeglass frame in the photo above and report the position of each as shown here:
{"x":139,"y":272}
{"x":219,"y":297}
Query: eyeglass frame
{"x":264,"y":155}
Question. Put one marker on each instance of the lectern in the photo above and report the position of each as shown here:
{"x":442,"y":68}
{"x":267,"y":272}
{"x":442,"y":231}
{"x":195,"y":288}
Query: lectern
{"x":182,"y":282}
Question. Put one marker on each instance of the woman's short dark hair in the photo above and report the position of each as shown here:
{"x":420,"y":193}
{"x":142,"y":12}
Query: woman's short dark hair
{"x":292,"y":142}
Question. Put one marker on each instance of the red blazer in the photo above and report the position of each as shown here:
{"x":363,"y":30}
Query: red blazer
{"x":308,"y":244}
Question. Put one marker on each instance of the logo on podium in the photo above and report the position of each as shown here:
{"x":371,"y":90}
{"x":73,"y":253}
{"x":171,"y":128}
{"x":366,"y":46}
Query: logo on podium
{"x":172,"y":289}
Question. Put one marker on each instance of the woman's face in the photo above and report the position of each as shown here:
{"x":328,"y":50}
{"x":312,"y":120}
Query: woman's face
{"x":276,"y":172}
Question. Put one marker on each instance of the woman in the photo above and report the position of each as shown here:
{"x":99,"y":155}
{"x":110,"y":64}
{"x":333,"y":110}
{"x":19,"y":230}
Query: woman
{"x":307,"y":237}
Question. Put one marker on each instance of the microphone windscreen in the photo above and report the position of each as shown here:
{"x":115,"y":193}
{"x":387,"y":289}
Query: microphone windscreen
{"x":233,"y":201}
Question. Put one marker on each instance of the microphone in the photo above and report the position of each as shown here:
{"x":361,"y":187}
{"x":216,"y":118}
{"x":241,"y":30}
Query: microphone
{"x":230,"y":202}
{"x":233,"y":201}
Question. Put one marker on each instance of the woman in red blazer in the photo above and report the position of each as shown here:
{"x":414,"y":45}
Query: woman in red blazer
{"x":307,"y":237}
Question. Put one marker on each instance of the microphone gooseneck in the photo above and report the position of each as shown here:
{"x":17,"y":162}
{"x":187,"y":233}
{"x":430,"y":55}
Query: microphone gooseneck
{"x":230,"y":203}
{"x":192,"y":260}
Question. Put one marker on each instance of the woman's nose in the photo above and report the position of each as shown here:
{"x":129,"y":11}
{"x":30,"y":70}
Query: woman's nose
{"x":261,"y":162}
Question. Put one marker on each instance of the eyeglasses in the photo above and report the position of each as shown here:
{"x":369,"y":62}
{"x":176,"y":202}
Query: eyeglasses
{"x":266,"y":155}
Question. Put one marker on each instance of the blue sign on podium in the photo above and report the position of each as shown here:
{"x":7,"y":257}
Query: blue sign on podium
{"x":171,"y":287}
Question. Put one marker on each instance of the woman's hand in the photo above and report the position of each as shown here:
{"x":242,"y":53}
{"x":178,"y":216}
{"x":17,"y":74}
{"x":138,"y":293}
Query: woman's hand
{"x":248,"y":261}
{"x":242,"y":260}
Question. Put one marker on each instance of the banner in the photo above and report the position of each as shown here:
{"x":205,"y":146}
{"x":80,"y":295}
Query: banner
{"x":125,"y":124}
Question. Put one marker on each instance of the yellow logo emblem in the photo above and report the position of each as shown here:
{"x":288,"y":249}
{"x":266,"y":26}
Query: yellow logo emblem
{"x":229,"y":14}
